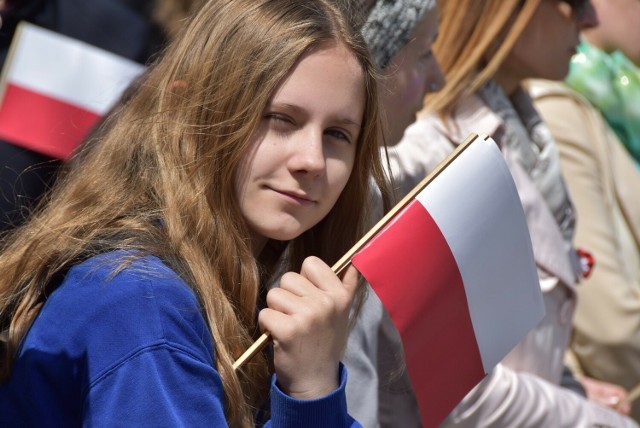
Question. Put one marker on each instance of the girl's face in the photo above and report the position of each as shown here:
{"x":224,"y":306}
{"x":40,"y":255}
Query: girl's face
{"x":304,"y":150}
{"x":548,"y":42}
{"x":412,"y":72}
{"x":619,"y":27}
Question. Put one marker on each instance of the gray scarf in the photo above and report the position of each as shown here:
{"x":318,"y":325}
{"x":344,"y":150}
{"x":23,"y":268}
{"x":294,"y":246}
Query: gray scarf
{"x":530,"y":142}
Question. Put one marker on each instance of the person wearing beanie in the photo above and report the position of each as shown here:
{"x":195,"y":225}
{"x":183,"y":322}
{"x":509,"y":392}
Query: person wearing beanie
{"x":390,"y":25}
{"x":400,"y":35}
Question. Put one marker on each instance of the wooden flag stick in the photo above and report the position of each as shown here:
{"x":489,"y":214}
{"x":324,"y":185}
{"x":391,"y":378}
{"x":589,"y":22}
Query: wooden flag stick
{"x":632,"y":396}
{"x":345,"y":261}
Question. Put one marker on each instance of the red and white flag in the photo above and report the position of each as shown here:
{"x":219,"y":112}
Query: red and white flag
{"x":455,"y":270}
{"x":55,"y":88}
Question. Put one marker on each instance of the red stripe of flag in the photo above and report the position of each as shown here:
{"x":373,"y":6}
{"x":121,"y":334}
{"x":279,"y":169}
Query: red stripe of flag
{"x":440,"y":346}
{"x":43,"y":124}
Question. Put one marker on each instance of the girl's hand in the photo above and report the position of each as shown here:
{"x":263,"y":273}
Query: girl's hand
{"x":308,"y":317}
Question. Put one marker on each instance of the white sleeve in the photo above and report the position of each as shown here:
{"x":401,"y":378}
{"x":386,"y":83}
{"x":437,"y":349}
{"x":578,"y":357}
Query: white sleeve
{"x":506,"y":398}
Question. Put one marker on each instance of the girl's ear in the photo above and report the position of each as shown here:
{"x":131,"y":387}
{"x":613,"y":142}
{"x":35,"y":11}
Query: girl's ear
{"x":177,"y":91}
{"x":178,"y":86}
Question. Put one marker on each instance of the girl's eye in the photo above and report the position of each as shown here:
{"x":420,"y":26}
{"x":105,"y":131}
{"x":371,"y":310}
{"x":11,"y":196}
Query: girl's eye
{"x":276,"y":117}
{"x":280,"y":123}
{"x":336,"y":133}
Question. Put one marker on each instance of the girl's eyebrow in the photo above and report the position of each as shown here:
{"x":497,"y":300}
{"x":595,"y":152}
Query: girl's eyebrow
{"x":297,"y":109}
{"x":287,"y":106}
{"x":348,"y":122}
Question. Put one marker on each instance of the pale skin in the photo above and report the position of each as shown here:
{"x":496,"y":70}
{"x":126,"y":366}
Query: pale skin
{"x":543,"y":51}
{"x":308,"y":318}
{"x":619,"y":27}
{"x":301,"y":160}
{"x":412,"y":72}
{"x":545,"y":47}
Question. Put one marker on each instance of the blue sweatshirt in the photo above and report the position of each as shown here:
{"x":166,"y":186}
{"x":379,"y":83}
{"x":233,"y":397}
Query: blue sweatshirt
{"x":132,"y":350}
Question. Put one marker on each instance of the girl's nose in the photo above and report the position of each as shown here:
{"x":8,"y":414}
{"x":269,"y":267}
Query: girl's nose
{"x":307,"y":154}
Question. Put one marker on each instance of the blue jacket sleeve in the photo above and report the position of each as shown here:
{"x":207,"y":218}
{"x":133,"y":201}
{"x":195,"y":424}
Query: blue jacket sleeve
{"x":157,"y":386}
{"x":165,"y":386}
{"x":328,"y":411}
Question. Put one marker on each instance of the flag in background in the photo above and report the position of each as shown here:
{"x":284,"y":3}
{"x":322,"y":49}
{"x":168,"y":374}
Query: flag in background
{"x":55,"y":89}
{"x":455,"y":270}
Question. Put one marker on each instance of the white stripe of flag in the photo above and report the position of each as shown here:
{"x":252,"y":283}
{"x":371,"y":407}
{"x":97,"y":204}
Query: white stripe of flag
{"x":55,"y":88}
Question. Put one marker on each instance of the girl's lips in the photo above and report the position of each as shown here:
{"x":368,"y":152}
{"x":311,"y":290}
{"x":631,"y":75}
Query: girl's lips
{"x":295,"y":197}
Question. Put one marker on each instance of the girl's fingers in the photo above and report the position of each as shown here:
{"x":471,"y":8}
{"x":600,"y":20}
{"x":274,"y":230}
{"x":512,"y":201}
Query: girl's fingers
{"x":316,"y":282}
{"x":308,"y":318}
{"x":350,"y":280}
{"x":320,"y":274}
{"x":275,"y":322}
{"x":283,"y":301}
{"x":296,"y":284}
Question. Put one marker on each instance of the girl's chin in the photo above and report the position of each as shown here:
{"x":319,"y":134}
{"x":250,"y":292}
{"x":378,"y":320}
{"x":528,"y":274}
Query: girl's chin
{"x":283,"y":234}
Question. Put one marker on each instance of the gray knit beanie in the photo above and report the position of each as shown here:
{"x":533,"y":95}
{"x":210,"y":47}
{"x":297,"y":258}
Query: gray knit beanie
{"x":390,"y":25}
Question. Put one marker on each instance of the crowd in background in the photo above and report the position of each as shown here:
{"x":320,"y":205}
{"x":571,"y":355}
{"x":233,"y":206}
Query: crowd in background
{"x":555,"y":83}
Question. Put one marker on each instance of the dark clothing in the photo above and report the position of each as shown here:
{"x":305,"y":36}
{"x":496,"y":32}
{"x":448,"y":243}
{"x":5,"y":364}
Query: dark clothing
{"x":119,"y":26}
{"x":24,"y":176}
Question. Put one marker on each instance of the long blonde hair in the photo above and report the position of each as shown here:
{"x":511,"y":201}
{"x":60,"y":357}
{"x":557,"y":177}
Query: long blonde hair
{"x":475,"y":37}
{"x":159,"y":179}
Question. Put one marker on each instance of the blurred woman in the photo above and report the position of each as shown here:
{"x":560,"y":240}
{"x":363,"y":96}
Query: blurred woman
{"x":595,"y":120}
{"x":486,"y":49}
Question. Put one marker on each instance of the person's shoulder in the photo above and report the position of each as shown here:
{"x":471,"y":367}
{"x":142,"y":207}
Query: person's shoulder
{"x":115,"y":305}
{"x":541,"y":87}
{"x":109,"y":278}
{"x":545,"y":92}
{"x":571,"y":118}
{"x":428,"y":136}
{"x":424,"y":144}
{"x":427,"y":128}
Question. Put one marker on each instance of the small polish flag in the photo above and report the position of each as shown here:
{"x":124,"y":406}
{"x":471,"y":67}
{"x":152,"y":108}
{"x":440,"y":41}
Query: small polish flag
{"x":55,"y":89}
{"x":454,"y":268}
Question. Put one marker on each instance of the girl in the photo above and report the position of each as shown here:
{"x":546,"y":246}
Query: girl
{"x":249,"y":145}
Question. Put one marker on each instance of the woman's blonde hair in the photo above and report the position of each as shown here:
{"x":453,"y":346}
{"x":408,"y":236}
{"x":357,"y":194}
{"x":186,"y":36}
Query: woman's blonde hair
{"x":475,"y":37}
{"x":159,"y":179}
